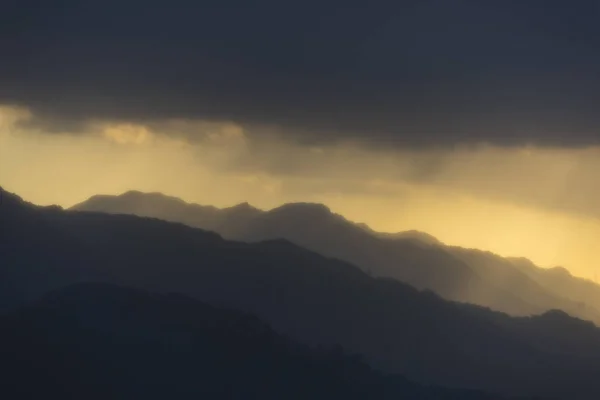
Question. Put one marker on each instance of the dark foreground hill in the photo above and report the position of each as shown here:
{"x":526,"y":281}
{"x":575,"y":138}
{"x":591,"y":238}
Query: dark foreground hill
{"x":416,"y":258}
{"x":312,"y":299}
{"x":96,"y":341}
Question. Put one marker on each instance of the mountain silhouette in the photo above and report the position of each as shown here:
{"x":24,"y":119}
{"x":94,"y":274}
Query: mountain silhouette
{"x":310,"y":298}
{"x":559,"y":279}
{"x":413,"y":257}
{"x":98,"y":341}
{"x":422,"y":238}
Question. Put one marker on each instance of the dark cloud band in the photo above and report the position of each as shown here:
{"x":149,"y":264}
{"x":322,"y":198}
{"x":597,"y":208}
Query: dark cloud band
{"x":414,"y":73}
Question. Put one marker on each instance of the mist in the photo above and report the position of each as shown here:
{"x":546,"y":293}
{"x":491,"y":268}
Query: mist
{"x":536,"y":202}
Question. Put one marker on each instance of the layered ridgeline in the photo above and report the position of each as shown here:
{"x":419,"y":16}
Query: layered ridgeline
{"x":98,"y":341}
{"x":514,"y":286}
{"x":304,"y":295}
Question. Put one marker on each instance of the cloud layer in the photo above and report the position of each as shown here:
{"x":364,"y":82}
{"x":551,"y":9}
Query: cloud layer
{"x":473,"y":120}
{"x":534,"y":202}
{"x":426,"y":73}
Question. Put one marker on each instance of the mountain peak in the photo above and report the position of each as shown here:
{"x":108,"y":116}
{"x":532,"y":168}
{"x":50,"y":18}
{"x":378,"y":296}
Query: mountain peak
{"x":245,"y":206}
{"x":136,"y":194}
{"x":561,"y":271}
{"x":128,"y":199}
{"x":560,"y":320}
{"x":414,"y":235}
{"x":420,"y":236}
{"x":304,"y":208}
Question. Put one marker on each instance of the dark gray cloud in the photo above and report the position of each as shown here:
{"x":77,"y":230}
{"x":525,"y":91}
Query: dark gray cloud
{"x":416,"y":72}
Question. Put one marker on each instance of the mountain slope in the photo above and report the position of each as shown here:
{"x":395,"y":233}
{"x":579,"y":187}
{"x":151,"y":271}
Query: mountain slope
{"x":98,"y":341}
{"x":560,"y":280}
{"x":412,"y":257}
{"x":529,"y":287}
{"x":315,"y":300}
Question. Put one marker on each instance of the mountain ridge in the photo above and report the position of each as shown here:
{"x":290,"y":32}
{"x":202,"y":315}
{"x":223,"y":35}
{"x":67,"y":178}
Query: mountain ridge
{"x":312,"y":299}
{"x":105,"y":341}
{"x":459,"y":274}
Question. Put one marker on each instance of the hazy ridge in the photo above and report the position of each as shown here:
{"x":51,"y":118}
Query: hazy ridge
{"x":467,"y":275}
{"x":312,"y":299}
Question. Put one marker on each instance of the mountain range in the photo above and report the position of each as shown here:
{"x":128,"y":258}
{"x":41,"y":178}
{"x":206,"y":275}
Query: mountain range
{"x":99,"y":341}
{"x":310,"y":298}
{"x":514,"y":286}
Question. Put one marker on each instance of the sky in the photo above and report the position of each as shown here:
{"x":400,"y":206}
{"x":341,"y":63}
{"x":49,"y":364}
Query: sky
{"x":474,"y":121}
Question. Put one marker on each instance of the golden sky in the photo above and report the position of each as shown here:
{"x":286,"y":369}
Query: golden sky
{"x":526,"y":201}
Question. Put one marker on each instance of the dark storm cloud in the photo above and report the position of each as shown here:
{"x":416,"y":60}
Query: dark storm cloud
{"x":417,"y":72}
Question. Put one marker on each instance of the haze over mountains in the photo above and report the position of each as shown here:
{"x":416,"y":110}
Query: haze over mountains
{"x":313,"y":299}
{"x":515,"y":286}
